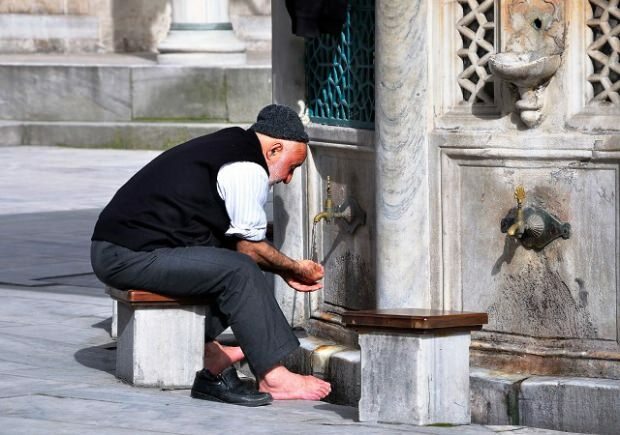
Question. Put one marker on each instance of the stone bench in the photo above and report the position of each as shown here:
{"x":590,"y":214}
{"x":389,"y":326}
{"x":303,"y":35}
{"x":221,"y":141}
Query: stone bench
{"x":160,"y":340}
{"x":414,"y":364}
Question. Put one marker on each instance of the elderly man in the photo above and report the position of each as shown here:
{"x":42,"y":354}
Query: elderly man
{"x":192,"y":223}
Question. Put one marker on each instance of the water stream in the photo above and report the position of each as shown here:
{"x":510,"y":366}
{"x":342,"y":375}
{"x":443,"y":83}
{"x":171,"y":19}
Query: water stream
{"x":314,"y":255}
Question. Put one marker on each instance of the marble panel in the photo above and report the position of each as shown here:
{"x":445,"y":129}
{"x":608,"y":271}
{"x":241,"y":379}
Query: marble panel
{"x":569,"y":289}
{"x":248,"y":90}
{"x":127,"y":135}
{"x":171,"y":92}
{"x":290,"y":224}
{"x":65,"y":93}
{"x":349,"y":259}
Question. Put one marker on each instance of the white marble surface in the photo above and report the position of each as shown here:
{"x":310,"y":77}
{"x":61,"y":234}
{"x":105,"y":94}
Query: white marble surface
{"x":574,"y":410}
{"x":401,"y":126}
{"x":160,"y":347}
{"x":208,"y":94}
{"x":37,"y":179}
{"x":65,"y":93}
{"x":415,"y":378}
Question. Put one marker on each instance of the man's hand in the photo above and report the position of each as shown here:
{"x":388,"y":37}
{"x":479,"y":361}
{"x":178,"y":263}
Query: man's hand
{"x":306,"y":276}
{"x":302,"y":275}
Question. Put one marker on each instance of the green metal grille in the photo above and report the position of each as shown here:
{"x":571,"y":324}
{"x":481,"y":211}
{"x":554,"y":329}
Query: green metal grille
{"x":340,"y":75}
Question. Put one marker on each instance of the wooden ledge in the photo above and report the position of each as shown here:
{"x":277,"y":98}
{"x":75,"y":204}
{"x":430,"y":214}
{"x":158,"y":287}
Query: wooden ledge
{"x":413,"y":319}
{"x":147,"y":298}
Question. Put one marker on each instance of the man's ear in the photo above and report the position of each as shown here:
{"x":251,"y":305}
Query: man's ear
{"x":274,"y":150}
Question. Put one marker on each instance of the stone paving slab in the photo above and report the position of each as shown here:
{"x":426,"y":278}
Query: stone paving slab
{"x":36,"y":179}
{"x":57,"y":375}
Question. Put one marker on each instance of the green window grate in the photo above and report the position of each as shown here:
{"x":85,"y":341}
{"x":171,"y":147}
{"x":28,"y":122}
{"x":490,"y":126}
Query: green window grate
{"x":340,"y":75}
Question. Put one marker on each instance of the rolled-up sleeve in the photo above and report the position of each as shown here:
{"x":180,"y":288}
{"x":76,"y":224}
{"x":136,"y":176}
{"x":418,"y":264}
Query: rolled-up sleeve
{"x":244,"y":187}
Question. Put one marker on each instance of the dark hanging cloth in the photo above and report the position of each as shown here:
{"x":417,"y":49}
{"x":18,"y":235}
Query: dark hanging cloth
{"x":313,"y":17}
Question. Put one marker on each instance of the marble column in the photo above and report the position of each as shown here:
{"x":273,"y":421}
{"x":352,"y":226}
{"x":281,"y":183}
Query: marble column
{"x":402,"y":121}
{"x":201,"y":33}
{"x":290,"y":214}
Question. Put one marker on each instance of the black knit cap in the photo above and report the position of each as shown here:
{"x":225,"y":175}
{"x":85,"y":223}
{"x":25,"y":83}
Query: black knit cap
{"x":280,"y":122}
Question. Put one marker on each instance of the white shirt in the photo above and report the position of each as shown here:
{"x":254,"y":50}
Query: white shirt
{"x":244,"y":187}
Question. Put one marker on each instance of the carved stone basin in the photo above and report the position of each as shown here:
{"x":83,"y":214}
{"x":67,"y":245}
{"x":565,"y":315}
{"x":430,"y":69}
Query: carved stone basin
{"x":531,"y":73}
{"x":525,"y":70}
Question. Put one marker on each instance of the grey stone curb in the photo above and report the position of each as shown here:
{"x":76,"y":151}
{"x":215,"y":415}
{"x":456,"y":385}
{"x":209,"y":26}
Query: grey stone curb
{"x":583,"y":405}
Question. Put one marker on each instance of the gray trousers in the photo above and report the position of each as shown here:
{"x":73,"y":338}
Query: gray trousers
{"x":241,"y":297}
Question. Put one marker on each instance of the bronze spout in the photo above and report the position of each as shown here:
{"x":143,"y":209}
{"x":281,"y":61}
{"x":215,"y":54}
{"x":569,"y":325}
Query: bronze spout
{"x":517,"y":229}
{"x":323,"y":215}
{"x":328,"y":207}
{"x":533,"y":226}
{"x":349,"y":212}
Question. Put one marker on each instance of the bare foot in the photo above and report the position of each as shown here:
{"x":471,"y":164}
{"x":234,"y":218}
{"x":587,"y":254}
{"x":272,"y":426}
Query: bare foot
{"x":285,"y":385}
{"x":218,"y":357}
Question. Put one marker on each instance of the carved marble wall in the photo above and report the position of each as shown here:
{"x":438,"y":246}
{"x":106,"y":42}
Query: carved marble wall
{"x":553,"y":311}
{"x":449,"y":149}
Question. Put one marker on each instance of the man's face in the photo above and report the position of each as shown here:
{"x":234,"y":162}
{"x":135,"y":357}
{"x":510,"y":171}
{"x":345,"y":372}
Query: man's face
{"x":283,"y":161}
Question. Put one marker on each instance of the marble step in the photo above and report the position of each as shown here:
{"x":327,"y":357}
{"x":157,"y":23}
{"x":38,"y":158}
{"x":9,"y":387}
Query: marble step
{"x":574,"y":404}
{"x":118,"y":135}
{"x":103,"y":89}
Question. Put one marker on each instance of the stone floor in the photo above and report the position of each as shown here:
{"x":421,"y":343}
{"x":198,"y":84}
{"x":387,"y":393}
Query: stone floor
{"x":56,"y":356}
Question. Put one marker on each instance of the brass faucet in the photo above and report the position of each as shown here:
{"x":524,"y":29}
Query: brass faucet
{"x":328,"y":207}
{"x":532,"y":226}
{"x":349,"y":211}
{"x":517,"y":229}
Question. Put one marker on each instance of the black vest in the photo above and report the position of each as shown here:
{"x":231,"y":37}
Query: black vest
{"x":173,"y":201}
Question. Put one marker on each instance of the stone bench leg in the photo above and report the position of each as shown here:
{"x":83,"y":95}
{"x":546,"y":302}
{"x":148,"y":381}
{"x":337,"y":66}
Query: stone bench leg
{"x":160,"y":347}
{"x":114,"y":327}
{"x":415,"y":378}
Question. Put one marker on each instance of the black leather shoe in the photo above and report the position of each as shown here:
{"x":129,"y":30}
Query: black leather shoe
{"x":228,"y":388}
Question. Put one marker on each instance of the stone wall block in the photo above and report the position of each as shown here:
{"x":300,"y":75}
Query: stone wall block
{"x":140,"y":25}
{"x":247,"y":91}
{"x":32,"y":6}
{"x":160,"y":347}
{"x":156,"y":136}
{"x":494,"y":397}
{"x":423,"y":380}
{"x":176,"y":93}
{"x":345,"y":377}
{"x":11,"y":134}
{"x":64,"y":93}
{"x":583,"y":405}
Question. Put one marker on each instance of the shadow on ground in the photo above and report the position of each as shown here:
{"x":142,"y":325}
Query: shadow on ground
{"x":102,"y":357}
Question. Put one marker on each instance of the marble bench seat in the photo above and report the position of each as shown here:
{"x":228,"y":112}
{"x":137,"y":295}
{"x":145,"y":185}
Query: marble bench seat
{"x":414,"y":364}
{"x":160,"y":340}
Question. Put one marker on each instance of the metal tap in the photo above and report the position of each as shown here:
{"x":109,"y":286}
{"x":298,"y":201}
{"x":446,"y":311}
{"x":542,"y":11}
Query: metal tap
{"x":533,"y":226}
{"x":349,"y":211}
{"x":328,"y":207}
{"x":517,"y":229}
